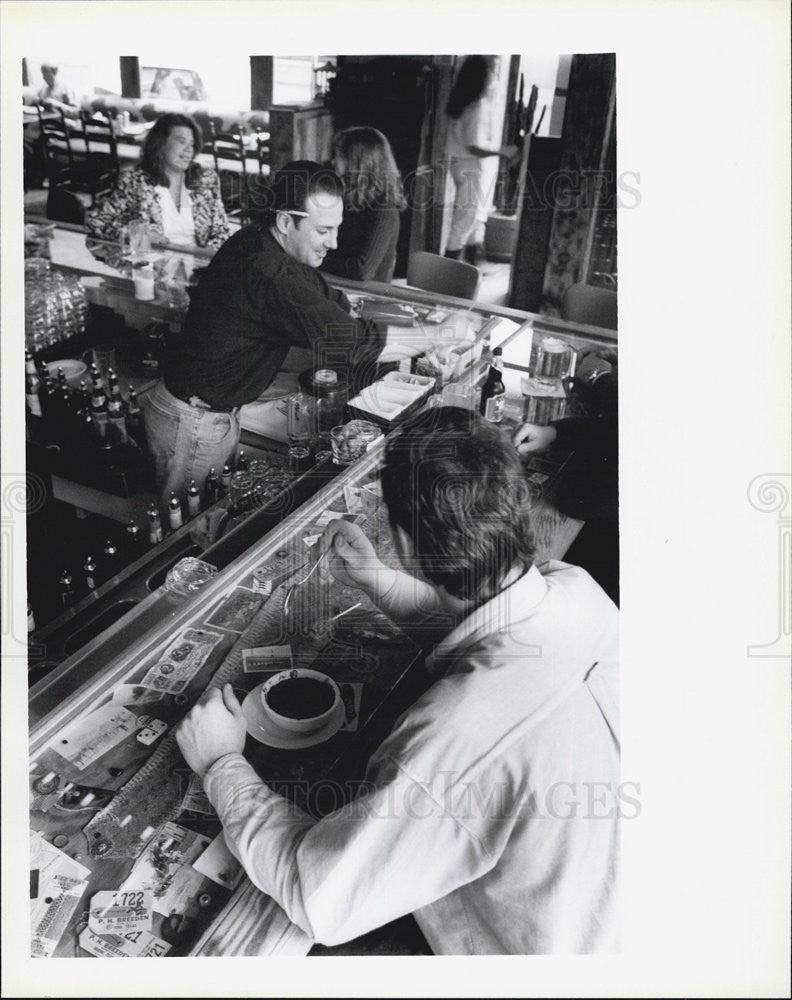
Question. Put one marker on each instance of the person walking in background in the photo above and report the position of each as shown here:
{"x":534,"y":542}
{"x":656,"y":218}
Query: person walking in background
{"x":373,"y":199}
{"x":468,"y":144}
{"x":178,"y":199}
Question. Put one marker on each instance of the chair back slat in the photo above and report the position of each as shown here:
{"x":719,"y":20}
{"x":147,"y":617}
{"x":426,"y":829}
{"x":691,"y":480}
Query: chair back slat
{"x":442,"y":275}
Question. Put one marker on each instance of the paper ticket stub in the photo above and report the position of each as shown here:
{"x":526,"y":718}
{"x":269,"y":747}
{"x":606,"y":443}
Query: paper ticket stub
{"x":51,"y":912}
{"x":196,"y":799}
{"x":311,"y":539}
{"x":267,"y":658}
{"x":118,"y":912}
{"x":85,"y":739}
{"x":236,"y":611}
{"x":181,"y":661}
{"x":219,"y":864}
{"x":132,"y":944}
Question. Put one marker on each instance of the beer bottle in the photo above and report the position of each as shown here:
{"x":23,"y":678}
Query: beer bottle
{"x":32,"y":386}
{"x":211,"y":488}
{"x":133,"y":537}
{"x":154,"y":525}
{"x":193,"y":500}
{"x":49,"y":406}
{"x":493,"y":393}
{"x":242,"y":462}
{"x":175,"y":518}
{"x":109,"y":559}
{"x":65,"y":397}
{"x":66,"y":585}
{"x":89,"y":568}
{"x":225,"y":479}
{"x":115,"y":410}
{"x":136,"y":429}
{"x":99,"y":406}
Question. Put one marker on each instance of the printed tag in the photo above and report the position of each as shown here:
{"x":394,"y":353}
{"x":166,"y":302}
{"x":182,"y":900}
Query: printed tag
{"x":86,"y":739}
{"x":237,"y":611}
{"x":51,"y":912}
{"x":219,"y":864}
{"x":133,"y":944}
{"x":272,"y":658}
{"x":311,"y":539}
{"x":118,"y":912}
{"x":181,"y":661}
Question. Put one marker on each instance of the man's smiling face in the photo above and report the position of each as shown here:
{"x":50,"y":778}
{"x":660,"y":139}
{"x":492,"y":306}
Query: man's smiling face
{"x":308,"y":236}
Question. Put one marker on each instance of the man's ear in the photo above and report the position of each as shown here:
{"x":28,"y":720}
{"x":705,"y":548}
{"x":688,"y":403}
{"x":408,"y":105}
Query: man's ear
{"x":283,"y":222}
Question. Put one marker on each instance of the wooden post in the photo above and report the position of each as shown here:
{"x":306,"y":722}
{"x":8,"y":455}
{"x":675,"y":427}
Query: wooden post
{"x":261,"y":82}
{"x":130,"y":76}
{"x":576,"y":189}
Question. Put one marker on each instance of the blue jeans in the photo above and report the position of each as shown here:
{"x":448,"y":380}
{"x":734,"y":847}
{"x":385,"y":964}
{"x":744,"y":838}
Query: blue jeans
{"x":186,"y":441}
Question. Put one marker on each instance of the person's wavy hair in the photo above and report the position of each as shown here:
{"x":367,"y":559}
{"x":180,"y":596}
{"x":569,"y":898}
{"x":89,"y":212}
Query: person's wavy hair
{"x":152,"y":157}
{"x":455,"y":484}
{"x":370,"y":175}
{"x":471,"y":83}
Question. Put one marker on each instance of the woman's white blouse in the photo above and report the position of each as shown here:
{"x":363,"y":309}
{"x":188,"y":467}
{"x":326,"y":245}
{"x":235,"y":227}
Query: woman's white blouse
{"x":177,"y":224}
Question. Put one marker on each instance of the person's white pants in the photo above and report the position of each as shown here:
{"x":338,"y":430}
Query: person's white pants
{"x":469,"y":216}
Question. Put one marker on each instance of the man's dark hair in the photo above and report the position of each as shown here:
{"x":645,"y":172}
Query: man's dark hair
{"x":455,"y":484}
{"x":294,"y":183}
{"x":470,"y":84}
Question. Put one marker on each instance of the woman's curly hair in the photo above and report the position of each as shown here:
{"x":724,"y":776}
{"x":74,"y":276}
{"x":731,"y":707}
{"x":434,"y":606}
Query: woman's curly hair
{"x":369,"y":172}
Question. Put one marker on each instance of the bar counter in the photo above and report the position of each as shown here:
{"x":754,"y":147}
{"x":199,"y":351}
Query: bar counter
{"x":109,"y":791}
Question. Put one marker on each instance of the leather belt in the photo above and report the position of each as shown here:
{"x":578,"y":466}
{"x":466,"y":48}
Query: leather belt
{"x":200,"y":404}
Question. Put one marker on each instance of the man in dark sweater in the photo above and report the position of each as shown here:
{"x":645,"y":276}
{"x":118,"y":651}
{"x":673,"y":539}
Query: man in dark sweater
{"x":260,"y":295}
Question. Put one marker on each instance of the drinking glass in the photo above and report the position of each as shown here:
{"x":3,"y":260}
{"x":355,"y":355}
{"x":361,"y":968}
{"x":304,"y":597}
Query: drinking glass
{"x":553,"y":361}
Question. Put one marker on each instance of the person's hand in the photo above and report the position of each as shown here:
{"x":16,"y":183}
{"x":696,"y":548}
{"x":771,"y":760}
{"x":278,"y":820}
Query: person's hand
{"x":212,"y":728}
{"x":532,"y":437}
{"x":351,"y":558}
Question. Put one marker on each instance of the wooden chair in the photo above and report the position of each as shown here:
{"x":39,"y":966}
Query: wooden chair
{"x":443,"y":275}
{"x":102,"y":167}
{"x":58,"y":156}
{"x":263,"y":152}
{"x":589,"y":304}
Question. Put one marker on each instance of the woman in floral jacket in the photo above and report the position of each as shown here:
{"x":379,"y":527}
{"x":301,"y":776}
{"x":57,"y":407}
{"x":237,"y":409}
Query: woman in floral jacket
{"x":179,"y":199}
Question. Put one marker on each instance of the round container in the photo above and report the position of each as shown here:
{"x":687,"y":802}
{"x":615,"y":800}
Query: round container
{"x":73,"y":370}
{"x":287,"y":696}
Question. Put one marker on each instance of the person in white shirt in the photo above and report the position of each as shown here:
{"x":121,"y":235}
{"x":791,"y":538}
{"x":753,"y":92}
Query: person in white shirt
{"x":491,"y":812}
{"x":469,"y":143}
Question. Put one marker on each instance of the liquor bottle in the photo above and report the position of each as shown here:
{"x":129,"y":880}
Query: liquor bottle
{"x":225,"y":480}
{"x":242,"y":462}
{"x":116,"y":416}
{"x":193,"y":500}
{"x":175,"y":518}
{"x":66,"y":585}
{"x":89,"y":568}
{"x":154,"y":525}
{"x":136,"y":429}
{"x":211,"y":488}
{"x":493,"y":393}
{"x":99,"y":405}
{"x":32,"y":386}
{"x":82,"y":400}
